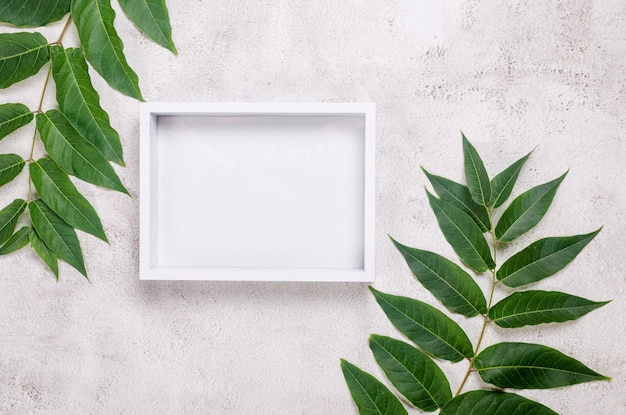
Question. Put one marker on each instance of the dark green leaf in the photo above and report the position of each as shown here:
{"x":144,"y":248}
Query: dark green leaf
{"x":536,"y":307}
{"x":530,"y":366}
{"x":448,"y":282}
{"x":80,"y":102}
{"x":502,"y":184}
{"x":463,"y":235}
{"x":33,"y":13}
{"x":459,"y":195}
{"x":152,"y":18}
{"x":103,"y":47}
{"x":59,"y":193}
{"x":542,"y":259}
{"x":74,"y":153}
{"x":12,"y":117}
{"x":476,"y":174}
{"x":369,"y":394}
{"x":526,"y":210}
{"x":17,"y":241}
{"x":482,"y":402}
{"x":57,"y":235}
{"x":21,"y":56}
{"x":9,"y":217}
{"x":412,"y":372}
{"x":45,"y":254}
{"x":10,"y":166}
{"x":427,"y":327}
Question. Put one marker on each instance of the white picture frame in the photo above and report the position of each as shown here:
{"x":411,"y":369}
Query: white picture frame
{"x":257,"y":192}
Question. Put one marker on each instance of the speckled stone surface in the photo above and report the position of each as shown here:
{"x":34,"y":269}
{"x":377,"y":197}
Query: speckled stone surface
{"x":512,"y":75}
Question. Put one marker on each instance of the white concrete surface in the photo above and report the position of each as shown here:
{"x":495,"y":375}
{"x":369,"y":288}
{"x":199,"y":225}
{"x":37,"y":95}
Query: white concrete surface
{"x":511,"y":74}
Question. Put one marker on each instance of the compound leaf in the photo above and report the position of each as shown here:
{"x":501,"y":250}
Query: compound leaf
{"x":103,"y":47}
{"x":531,"y":366}
{"x":502,"y":184}
{"x":526,"y":210}
{"x":462,"y":234}
{"x":21,"y":56}
{"x":483,"y":402}
{"x":57,"y":235}
{"x":475,"y":173}
{"x":537,"y":307}
{"x":12,"y":117}
{"x":10,"y":166}
{"x":448,"y":282}
{"x":33,"y":13}
{"x":427,"y":327}
{"x":413,"y":373}
{"x":369,"y":394}
{"x":152,"y":18}
{"x":17,"y":241}
{"x":80,"y":102}
{"x":9,"y":217}
{"x":45,"y":254}
{"x":59,"y":193}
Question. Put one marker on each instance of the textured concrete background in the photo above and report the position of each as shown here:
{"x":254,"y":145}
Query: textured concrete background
{"x":513,"y":75}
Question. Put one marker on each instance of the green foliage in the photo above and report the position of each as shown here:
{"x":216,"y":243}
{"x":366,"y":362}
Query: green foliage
{"x":78,"y":137}
{"x":464,"y":214}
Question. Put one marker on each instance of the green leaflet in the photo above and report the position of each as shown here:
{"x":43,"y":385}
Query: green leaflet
{"x":77,"y":156}
{"x":542,"y":259}
{"x":531,"y":366}
{"x":502,"y":184}
{"x":537,"y":307}
{"x":459,"y":195}
{"x":9,"y":217}
{"x":152,"y":18}
{"x":59,"y":193}
{"x":448,"y":282}
{"x":475,"y":173}
{"x":21,"y":56}
{"x":427,"y":327}
{"x":483,"y":402}
{"x":526,"y":210}
{"x":369,"y":394}
{"x":103,"y":47}
{"x":33,"y":13}
{"x":12,"y":117}
{"x":463,"y":235}
{"x":57,"y":235}
{"x":10,"y":166}
{"x":80,"y":102}
{"x":17,"y":241}
{"x":413,"y":373}
{"x":44,"y":253}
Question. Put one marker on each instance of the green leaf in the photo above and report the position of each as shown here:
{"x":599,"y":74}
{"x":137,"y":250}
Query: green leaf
{"x":59,"y":193}
{"x":542,"y":259}
{"x":502,"y":184}
{"x":412,"y":372}
{"x":537,"y":307}
{"x":57,"y":235}
{"x":10,"y":166}
{"x":463,"y":235}
{"x":476,"y":174}
{"x":483,"y":402}
{"x":152,"y":18}
{"x":103,"y":47}
{"x":526,"y":210}
{"x":21,"y":56}
{"x":17,"y":241}
{"x":80,"y":102}
{"x":448,"y":282}
{"x":33,"y":13}
{"x":530,"y":366}
{"x":9,"y":217}
{"x":369,"y":394}
{"x":45,"y":254}
{"x":74,"y":153}
{"x":427,"y":327}
{"x":12,"y":117}
{"x":459,"y":195}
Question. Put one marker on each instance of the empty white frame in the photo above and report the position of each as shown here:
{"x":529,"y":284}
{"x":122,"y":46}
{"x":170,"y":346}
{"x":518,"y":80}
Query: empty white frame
{"x":271,"y":192}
